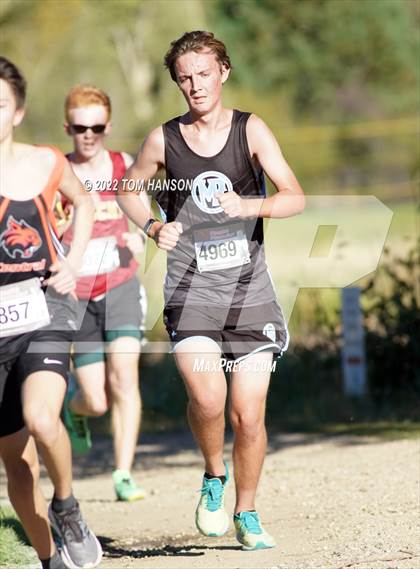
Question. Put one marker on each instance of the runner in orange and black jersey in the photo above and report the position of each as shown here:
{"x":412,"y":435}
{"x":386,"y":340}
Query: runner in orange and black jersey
{"x":29,"y":245}
{"x":28,"y":240}
{"x":37,"y":311}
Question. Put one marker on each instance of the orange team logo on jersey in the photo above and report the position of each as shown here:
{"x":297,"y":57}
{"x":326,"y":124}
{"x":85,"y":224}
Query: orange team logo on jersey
{"x":20,"y":239}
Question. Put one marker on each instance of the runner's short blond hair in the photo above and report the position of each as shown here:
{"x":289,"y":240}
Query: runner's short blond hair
{"x":84,"y":96}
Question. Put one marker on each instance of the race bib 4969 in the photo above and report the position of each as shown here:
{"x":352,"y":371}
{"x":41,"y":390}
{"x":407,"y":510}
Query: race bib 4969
{"x":221,"y":248}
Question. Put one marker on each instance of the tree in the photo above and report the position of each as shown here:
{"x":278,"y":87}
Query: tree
{"x":345,"y":55}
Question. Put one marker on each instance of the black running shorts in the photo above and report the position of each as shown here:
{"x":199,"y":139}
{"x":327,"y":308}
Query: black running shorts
{"x":46,"y":349}
{"x":239,"y":332}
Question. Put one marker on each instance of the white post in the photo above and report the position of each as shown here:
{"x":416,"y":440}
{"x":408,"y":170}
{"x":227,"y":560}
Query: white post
{"x":353,"y":350}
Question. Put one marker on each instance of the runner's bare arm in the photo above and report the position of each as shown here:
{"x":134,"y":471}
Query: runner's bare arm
{"x":64,"y":278}
{"x":289,"y":199}
{"x":63,"y":216}
{"x":135,"y":238}
{"x":128,"y":159}
{"x":146,"y":165}
{"x":150,"y":158}
{"x":82,"y":202}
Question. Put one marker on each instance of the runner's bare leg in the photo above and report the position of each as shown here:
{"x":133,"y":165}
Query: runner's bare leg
{"x":248,"y":395}
{"x":91,"y":398}
{"x":20,"y":459}
{"x":207,"y":397}
{"x":42,"y":399}
{"x":123,"y":383}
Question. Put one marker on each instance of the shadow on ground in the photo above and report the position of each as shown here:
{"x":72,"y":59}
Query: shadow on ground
{"x":113,"y":549}
{"x":15,"y":525}
{"x":161,"y":450}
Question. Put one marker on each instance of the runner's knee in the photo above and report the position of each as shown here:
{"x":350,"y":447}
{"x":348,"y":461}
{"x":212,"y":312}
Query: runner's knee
{"x":248,"y":423}
{"x":207,"y":405}
{"x":96,"y":404}
{"x":42,"y":424}
{"x":123,"y":383}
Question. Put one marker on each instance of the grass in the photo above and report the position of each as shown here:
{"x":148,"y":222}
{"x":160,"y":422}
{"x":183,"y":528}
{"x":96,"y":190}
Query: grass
{"x":381,"y":430}
{"x":15,"y":550}
{"x":348,"y":256}
{"x":385,"y":430}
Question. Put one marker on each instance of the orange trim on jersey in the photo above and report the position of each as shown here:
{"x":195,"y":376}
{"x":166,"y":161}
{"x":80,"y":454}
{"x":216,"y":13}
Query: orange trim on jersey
{"x":53,"y":222}
{"x":51,"y":217}
{"x":3,"y":207}
{"x":41,"y":211}
{"x":55,"y":177}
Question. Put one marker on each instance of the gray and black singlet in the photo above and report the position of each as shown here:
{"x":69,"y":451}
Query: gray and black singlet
{"x":212,"y":264}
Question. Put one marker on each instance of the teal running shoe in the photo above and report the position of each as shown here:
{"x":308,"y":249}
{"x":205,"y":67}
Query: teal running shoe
{"x":211,"y":517}
{"x":250,"y":533}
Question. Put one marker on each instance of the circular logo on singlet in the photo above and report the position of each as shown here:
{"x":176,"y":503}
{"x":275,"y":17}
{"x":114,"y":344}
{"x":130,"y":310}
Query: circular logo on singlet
{"x":206,"y":186}
{"x":270,"y":331}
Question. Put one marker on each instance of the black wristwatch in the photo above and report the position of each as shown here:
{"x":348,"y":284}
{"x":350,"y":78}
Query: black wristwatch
{"x":148,"y":225}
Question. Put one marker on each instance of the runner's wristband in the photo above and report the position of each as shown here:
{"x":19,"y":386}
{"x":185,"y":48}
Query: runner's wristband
{"x":148,"y":225}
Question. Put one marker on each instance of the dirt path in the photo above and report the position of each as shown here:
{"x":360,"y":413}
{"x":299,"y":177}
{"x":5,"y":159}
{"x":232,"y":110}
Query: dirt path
{"x":340,"y":502}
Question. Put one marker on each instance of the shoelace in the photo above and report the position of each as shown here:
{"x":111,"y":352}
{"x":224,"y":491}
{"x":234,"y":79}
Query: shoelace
{"x":213,"y":489}
{"x":72,"y":524}
{"x":251,"y":522}
{"x":129,"y":481}
{"x":79,"y":425}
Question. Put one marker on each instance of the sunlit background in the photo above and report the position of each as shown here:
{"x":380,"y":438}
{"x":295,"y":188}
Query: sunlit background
{"x":337,"y":82}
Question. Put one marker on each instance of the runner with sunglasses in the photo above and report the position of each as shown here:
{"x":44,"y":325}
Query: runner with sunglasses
{"x":81,"y":128}
{"x":219,"y":298}
{"x":107,"y":345}
{"x":37,"y":321}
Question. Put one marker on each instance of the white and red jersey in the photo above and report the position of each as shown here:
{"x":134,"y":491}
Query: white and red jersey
{"x":110,"y":221}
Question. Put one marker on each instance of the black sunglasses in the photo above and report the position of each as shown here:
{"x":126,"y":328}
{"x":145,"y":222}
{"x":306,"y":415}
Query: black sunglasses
{"x":81,"y":128}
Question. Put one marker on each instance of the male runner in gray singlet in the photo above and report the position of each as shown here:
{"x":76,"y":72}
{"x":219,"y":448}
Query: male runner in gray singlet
{"x":219,"y":300}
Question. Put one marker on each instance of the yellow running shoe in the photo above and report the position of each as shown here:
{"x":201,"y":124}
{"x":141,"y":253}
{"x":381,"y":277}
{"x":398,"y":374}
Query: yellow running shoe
{"x":125,"y":488}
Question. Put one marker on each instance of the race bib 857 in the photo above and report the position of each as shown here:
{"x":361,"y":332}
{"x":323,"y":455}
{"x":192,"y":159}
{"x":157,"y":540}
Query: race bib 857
{"x":23,"y":308}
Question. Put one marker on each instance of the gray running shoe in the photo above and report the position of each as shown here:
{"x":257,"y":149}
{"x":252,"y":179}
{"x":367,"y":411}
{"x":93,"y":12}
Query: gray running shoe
{"x":79,"y":547}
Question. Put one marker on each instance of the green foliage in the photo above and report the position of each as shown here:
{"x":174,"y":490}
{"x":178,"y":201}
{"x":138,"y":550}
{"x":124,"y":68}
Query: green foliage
{"x":162,"y":389}
{"x":307,"y":387}
{"x":393,"y":329}
{"x":116,"y":45}
{"x":344,"y":55}
{"x":296,"y":64}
